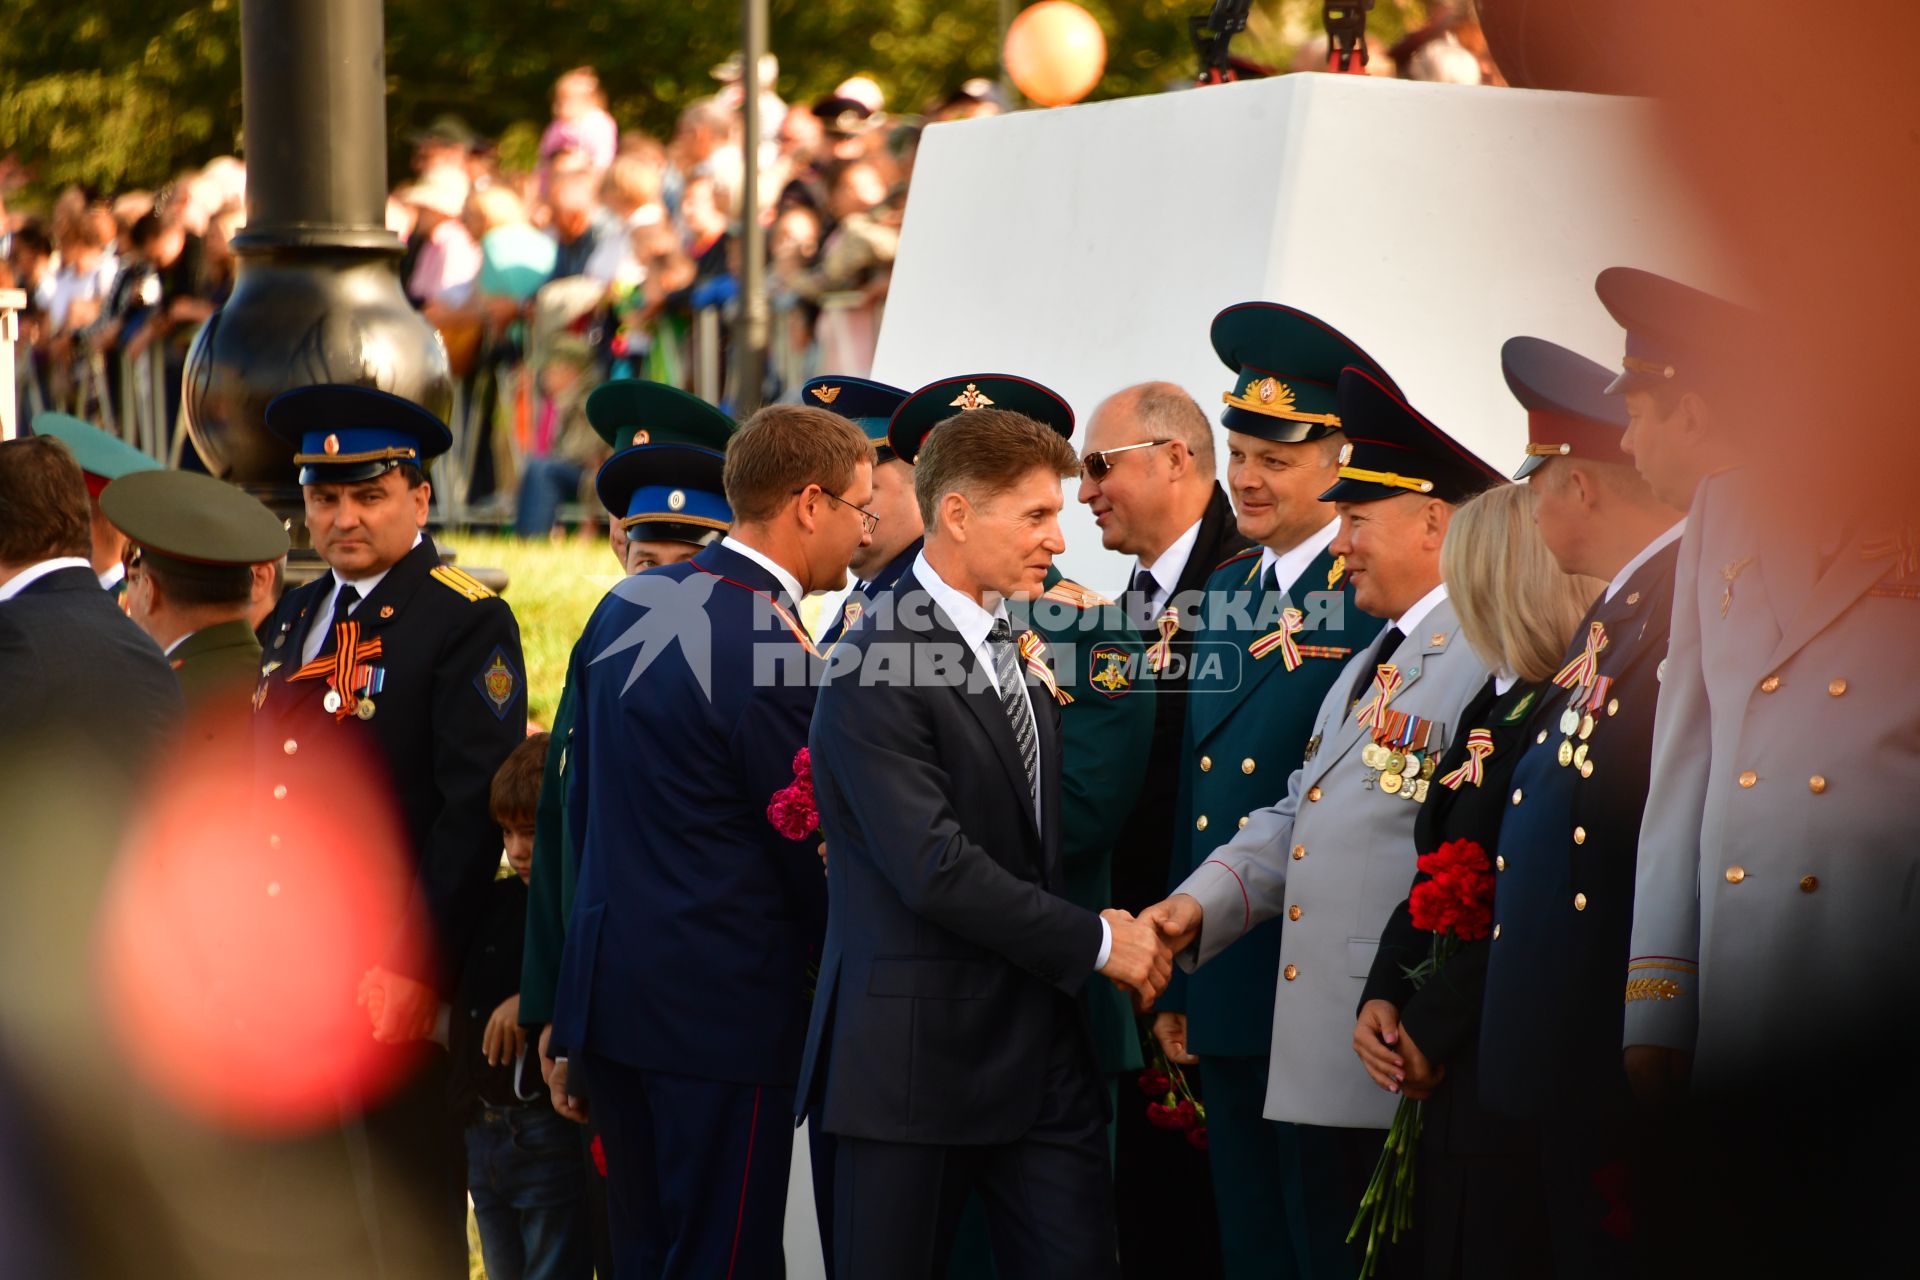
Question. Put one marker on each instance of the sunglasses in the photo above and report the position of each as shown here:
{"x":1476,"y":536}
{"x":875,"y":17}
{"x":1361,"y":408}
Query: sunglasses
{"x":868,"y":520}
{"x":1095,"y":466}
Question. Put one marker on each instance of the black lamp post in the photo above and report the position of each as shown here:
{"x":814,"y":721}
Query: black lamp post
{"x":317,"y":295}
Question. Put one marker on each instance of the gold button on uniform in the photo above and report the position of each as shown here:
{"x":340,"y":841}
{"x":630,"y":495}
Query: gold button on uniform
{"x":1816,"y":784}
{"x":1770,"y":684}
{"x":1579,"y":835}
{"x":1500,"y":862}
{"x":280,"y":792}
{"x":1496,"y":931}
{"x":1542,"y":737}
{"x":1200,"y":823}
{"x":1246,"y":766}
{"x":1313,"y":794}
{"x":1290,"y":973}
{"x":1243,"y":822}
{"x":1736,"y":874}
{"x":1613,"y":706}
{"x":1299,"y":852}
{"x":1293,"y":913}
{"x":1516,"y":795}
{"x":1748,"y":778}
{"x":1579,"y":902}
{"x":1206,"y":764}
{"x":289,"y":746}
{"x":1836,"y":687}
{"x":1809,"y":883}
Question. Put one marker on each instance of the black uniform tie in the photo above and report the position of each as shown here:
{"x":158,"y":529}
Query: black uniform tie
{"x":343,"y":603}
{"x":1388,"y":643}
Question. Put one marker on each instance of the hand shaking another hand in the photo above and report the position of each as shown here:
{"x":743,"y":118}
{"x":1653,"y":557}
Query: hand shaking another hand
{"x":1177,"y":919}
{"x":1139,"y":960}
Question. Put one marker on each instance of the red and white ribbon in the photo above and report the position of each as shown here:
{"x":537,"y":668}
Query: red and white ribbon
{"x":1386,"y":683}
{"x":1580,"y":673}
{"x":1033,"y":651}
{"x":1291,"y":621}
{"x":1162,"y":651}
{"x":1473,"y":769}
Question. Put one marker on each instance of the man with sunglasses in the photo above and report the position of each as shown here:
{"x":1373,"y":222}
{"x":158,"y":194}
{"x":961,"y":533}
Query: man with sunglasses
{"x":1147,"y":474}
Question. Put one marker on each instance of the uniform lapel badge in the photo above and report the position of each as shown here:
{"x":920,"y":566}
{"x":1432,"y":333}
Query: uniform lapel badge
{"x":851,"y":614}
{"x":260,"y":695}
{"x":498,"y":682}
{"x":971,"y":398}
{"x":1633,"y":597}
{"x":1337,"y":572}
{"x":386,"y":611}
{"x":1728,"y":574}
{"x":270,"y":668}
{"x":826,"y":395}
{"x":1313,"y":748}
{"x":1110,"y":671}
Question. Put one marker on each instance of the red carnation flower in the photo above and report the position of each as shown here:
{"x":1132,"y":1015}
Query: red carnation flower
{"x":1186,"y":1114}
{"x":599,"y":1154}
{"x":1161,"y":1116}
{"x":1197,"y":1137}
{"x":1154,"y":1083}
{"x":792,"y":809}
{"x":1457,"y":896}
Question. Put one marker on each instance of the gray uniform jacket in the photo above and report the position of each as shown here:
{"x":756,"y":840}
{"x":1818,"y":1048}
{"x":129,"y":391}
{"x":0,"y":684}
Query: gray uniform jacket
{"x":1336,"y":856}
{"x":1775,"y":901}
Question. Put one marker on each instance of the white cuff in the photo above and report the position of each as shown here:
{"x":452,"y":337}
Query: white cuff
{"x":1106,"y":945}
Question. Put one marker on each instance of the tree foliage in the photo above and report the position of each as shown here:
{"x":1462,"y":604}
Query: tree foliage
{"x":125,"y":93}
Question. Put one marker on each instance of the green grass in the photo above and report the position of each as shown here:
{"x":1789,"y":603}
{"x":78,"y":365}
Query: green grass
{"x":553,"y":587}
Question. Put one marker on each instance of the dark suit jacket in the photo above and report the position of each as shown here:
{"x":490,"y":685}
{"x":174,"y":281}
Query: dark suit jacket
{"x":453,"y":706}
{"x":1553,"y":987}
{"x":694,"y":920}
{"x":77,"y":667}
{"x":951,"y":955}
{"x":1141,"y":857}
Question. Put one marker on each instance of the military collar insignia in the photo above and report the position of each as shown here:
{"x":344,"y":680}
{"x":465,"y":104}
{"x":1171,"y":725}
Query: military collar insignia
{"x":971,"y":398}
{"x":1520,"y":708}
{"x":826,"y":395}
{"x":386,"y":611}
{"x":1337,"y":572}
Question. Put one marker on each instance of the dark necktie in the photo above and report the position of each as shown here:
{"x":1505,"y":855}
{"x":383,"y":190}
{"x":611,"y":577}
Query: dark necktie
{"x":1143,"y":590}
{"x":343,"y":603}
{"x":1013,"y":701}
{"x":1270,"y":580}
{"x":1388,"y":643}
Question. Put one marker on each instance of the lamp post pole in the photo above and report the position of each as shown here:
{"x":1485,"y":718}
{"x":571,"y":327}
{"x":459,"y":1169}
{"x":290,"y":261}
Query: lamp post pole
{"x":751,"y":323}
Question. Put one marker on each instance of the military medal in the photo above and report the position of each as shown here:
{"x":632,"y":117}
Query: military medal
{"x":331,"y":702}
{"x":1391,"y":782}
{"x":364,"y":709}
{"x":1586,"y":726}
{"x":1569,"y":720}
{"x":1565,"y":754}
{"x":1728,"y":574}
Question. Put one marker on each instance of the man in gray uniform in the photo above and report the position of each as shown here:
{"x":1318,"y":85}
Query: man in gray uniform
{"x":1335,"y":853}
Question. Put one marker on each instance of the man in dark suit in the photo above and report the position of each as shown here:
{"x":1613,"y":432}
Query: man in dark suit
{"x":948,"y":1044}
{"x":1148,"y":477}
{"x":412,"y":668}
{"x":683,"y":981}
{"x":78,"y":667}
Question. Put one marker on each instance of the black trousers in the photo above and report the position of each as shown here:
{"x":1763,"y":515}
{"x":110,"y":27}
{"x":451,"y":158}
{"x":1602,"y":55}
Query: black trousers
{"x":1047,"y":1193}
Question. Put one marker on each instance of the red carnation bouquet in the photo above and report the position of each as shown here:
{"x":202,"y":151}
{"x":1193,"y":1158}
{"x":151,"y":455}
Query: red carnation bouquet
{"x":792,"y":810}
{"x":1172,"y":1102}
{"x":1455,"y":904}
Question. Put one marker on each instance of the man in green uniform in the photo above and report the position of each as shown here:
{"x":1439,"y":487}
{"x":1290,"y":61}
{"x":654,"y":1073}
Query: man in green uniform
{"x":195,"y":541}
{"x":1280,"y":623}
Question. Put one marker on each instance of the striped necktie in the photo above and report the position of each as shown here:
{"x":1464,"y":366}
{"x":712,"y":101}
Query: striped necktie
{"x":1013,"y":702}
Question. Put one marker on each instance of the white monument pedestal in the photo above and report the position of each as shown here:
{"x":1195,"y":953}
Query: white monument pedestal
{"x":1090,"y":247}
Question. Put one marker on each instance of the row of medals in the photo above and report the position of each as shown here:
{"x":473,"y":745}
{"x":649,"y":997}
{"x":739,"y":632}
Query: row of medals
{"x":362,"y":707}
{"x":1406,"y":774}
{"x":1575,"y":723}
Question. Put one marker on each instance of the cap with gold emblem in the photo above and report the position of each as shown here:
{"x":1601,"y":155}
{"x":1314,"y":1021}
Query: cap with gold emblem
{"x":1676,"y":334}
{"x":342,"y":434}
{"x":193,"y":523}
{"x":666,"y":493}
{"x":1569,"y":412}
{"x":1393,"y":449}
{"x":630,"y":411}
{"x":934,"y":403}
{"x":1288,"y":367}
{"x":867,"y":404}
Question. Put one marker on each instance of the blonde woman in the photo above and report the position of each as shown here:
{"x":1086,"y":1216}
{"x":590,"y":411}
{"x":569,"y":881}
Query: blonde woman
{"x":1478,"y":1212}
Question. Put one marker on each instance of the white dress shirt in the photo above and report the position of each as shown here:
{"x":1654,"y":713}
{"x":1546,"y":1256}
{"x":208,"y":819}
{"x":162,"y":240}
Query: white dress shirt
{"x":1287,"y":566}
{"x":323,"y":607}
{"x":34,"y":572}
{"x":974,"y":623}
{"x":112,"y":577}
{"x":787,"y":581}
{"x":1647,"y":553}
{"x":1167,"y":568}
{"x":1413,"y":617}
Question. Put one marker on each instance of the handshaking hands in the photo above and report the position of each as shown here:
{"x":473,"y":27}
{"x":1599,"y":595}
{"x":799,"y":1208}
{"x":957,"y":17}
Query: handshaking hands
{"x":1141,"y":960}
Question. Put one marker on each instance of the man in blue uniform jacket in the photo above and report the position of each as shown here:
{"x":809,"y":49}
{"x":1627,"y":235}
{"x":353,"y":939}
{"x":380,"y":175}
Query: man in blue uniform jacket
{"x":948,"y":1044}
{"x":684,"y":978}
{"x":1563,"y":895}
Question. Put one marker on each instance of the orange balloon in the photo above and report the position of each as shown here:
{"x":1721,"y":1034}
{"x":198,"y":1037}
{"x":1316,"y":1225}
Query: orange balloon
{"x":1055,"y":52}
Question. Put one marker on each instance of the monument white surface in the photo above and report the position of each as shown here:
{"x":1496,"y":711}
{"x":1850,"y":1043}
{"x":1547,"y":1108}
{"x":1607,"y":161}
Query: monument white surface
{"x":1089,"y":247}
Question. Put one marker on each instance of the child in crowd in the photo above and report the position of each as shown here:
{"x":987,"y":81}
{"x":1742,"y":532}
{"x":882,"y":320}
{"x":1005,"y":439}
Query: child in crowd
{"x":524,"y":1167}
